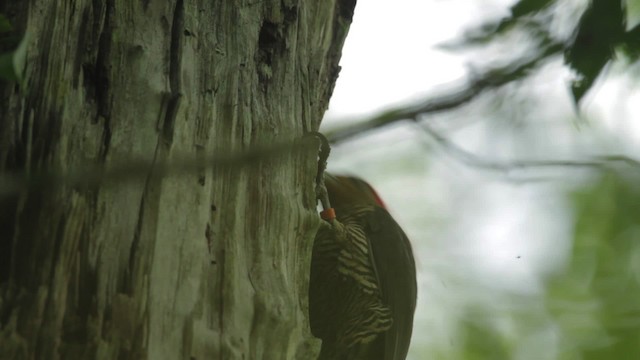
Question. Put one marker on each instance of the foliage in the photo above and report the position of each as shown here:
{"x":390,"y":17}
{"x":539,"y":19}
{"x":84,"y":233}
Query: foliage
{"x":602,"y":281}
{"x":12,"y":62}
{"x":590,"y":309}
{"x":589,"y":47}
{"x":587,"y":35}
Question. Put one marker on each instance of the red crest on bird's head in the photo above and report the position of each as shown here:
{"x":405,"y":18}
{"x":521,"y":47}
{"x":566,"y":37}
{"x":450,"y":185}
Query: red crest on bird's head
{"x":349,"y":190}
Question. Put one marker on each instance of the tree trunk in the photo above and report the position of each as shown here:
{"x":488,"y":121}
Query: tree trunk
{"x":204,"y":264}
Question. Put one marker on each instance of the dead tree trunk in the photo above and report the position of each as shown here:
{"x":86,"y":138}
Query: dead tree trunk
{"x":204,"y":264}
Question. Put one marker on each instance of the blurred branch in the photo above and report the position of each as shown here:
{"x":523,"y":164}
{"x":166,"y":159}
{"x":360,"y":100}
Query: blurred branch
{"x":92,"y":176}
{"x":491,"y":79}
{"x":600,"y":29}
{"x":468,"y":158}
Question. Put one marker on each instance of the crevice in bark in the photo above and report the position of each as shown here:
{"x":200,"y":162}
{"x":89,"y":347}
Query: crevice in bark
{"x":175,"y":68}
{"x":203,"y":127}
{"x":208,"y":234}
{"x":8,"y":209}
{"x":101,"y":81}
{"x":83,"y":40}
{"x":201,"y":172}
{"x":271,"y":43}
{"x":43,"y":138}
{"x":135,"y":244}
{"x":268,"y":41}
{"x":89,"y":37}
{"x":145,"y":4}
{"x":290,"y":13}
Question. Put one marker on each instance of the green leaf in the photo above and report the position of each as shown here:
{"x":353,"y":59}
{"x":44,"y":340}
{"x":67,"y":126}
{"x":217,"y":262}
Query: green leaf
{"x":5,"y":25}
{"x":526,"y":7}
{"x":596,"y":300}
{"x":631,"y":43}
{"x":601,"y":28}
{"x":13,"y":64}
{"x":7,"y":71}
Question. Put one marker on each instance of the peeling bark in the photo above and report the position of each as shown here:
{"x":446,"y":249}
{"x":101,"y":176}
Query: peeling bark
{"x":212,"y":264}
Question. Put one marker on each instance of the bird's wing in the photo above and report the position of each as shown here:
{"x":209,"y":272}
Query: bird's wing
{"x":395,"y":269}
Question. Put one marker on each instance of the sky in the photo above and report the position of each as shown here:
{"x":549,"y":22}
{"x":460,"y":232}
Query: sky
{"x":478,"y":236}
{"x":390,"y":54}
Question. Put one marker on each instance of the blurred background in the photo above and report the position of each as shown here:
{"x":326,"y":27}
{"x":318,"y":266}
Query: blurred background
{"x":502,"y":136}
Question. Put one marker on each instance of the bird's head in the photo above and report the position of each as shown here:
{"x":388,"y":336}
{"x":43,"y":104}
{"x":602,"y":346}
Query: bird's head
{"x":346,"y":191}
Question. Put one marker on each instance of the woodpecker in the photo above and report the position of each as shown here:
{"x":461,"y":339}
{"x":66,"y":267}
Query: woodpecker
{"x":362,"y":290}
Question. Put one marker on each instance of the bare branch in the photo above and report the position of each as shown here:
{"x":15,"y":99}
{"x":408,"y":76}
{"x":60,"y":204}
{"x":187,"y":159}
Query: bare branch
{"x":92,"y":176}
{"x":468,"y":158}
{"x":491,"y":79}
